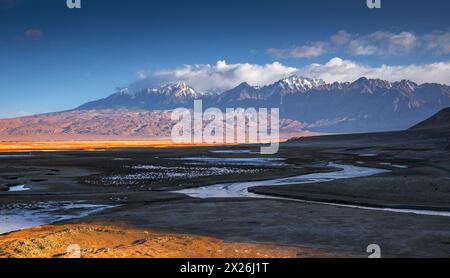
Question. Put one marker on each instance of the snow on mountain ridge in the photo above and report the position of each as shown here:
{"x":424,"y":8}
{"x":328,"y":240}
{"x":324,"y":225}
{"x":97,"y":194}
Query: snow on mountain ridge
{"x":300,"y":83}
{"x":286,"y":86}
{"x":177,"y":89}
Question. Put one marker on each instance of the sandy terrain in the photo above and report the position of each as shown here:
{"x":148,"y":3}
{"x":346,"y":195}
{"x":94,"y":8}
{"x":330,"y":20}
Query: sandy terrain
{"x":105,"y":241}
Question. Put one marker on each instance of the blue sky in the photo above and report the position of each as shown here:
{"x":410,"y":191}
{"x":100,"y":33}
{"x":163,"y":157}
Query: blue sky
{"x":53,"y":58}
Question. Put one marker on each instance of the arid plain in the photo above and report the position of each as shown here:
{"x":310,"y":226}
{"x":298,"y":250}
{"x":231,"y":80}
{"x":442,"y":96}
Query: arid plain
{"x":126,"y":202}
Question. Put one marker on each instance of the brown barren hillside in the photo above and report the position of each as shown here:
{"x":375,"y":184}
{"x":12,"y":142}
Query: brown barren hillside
{"x":89,"y":124}
{"x":439,"y":120}
{"x":106,"y":125}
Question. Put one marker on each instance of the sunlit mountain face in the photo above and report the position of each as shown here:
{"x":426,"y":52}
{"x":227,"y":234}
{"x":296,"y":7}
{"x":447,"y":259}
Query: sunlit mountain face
{"x":306,"y":105}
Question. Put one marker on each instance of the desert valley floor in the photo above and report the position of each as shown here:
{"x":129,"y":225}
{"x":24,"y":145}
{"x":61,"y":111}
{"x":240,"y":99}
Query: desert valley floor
{"x":318,"y":197}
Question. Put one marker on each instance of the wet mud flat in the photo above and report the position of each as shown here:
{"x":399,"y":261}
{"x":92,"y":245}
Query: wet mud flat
{"x":139,"y":186}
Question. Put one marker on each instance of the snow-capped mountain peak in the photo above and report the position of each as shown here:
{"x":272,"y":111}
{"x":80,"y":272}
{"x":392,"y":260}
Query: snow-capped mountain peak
{"x":124,"y":91}
{"x":406,"y":86}
{"x":296,"y":83}
{"x":179,"y":89}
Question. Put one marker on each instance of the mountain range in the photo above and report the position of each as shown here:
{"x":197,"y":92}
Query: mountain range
{"x":365,"y":105}
{"x":306,"y":105}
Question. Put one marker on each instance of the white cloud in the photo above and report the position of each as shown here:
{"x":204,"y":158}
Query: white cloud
{"x":305,"y":51}
{"x":380,"y":43}
{"x":384,"y":43}
{"x":142,"y":74}
{"x":33,"y":33}
{"x":360,"y":47}
{"x":341,"y":70}
{"x":222,"y":76}
{"x":341,"y":38}
{"x":438,"y":42}
{"x":402,"y":41}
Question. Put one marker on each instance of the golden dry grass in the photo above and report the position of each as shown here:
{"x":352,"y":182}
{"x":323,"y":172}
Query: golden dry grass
{"x":106,"y":241}
{"x":81,"y":145}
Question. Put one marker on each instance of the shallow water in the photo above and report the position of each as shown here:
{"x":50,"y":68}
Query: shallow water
{"x":21,"y":216}
{"x":162,"y":173}
{"x":15,"y":155}
{"x":250,"y":161}
{"x":233,"y":152}
{"x":368,"y":155}
{"x":240,"y":189}
{"x":393,"y":165}
{"x":18,"y":188}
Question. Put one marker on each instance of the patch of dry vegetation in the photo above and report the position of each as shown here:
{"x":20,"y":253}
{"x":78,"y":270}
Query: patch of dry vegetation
{"x":81,"y":145}
{"x":106,"y":241}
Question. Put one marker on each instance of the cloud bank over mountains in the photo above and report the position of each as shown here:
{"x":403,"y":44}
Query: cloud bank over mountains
{"x":223,"y":76}
{"x":218,"y":77}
